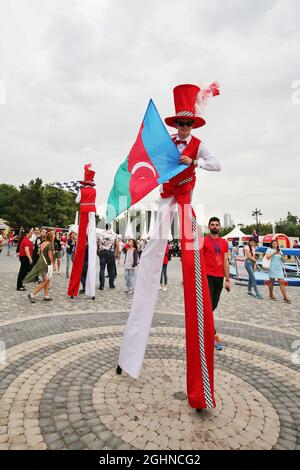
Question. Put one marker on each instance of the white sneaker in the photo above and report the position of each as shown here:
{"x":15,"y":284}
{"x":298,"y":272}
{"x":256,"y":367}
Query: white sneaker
{"x":165,"y":289}
{"x":160,"y":288}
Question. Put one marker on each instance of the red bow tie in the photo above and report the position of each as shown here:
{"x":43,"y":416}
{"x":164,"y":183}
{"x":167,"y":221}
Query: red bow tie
{"x":181,"y":142}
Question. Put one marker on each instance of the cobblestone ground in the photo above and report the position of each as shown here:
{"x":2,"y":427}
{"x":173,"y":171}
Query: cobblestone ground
{"x":59,"y":390}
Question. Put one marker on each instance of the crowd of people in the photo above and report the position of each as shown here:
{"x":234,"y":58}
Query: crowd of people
{"x":40,"y":252}
{"x":272,"y":263}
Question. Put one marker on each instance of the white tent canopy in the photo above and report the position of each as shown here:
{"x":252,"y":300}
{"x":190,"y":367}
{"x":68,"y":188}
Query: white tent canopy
{"x":236,"y":233}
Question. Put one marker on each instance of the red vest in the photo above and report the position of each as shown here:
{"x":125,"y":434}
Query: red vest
{"x":88,"y":199}
{"x":185,"y":181}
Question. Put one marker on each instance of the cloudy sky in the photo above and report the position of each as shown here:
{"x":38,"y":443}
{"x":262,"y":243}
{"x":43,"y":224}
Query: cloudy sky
{"x":76,"y":77}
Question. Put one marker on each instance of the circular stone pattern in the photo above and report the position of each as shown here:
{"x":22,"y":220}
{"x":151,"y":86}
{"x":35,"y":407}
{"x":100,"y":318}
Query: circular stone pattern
{"x":145,"y":414}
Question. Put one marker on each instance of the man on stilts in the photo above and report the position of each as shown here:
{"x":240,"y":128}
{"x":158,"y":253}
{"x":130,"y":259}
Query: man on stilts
{"x":87,"y":230}
{"x":198,"y":309}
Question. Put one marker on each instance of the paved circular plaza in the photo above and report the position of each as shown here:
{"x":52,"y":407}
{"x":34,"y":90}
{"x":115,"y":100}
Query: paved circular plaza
{"x":59,"y":390}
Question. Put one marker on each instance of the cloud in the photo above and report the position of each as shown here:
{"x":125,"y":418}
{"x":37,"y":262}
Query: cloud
{"x":79,"y":75}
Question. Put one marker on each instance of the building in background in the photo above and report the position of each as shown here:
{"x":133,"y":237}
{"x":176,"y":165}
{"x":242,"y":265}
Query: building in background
{"x":228,"y":222}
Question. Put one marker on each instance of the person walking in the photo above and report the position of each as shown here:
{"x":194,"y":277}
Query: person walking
{"x":10,"y":243}
{"x":106,"y":253}
{"x":36,"y":249}
{"x":215,"y":250}
{"x":276,"y":271}
{"x":63,"y":241}
{"x":70,"y":250}
{"x":1,"y":240}
{"x":25,"y":257}
{"x":250,"y":265}
{"x":164,"y":274}
{"x":57,"y":251}
{"x":44,"y":267}
{"x":119,"y":248}
{"x":131,"y":261}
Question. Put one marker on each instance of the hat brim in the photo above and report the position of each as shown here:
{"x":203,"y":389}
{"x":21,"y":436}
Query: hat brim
{"x":87,"y":183}
{"x":198,"y":121}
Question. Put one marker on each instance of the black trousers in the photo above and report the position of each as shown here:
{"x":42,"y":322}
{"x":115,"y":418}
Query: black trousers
{"x":215,"y":285}
{"x":24,"y":269}
{"x":164,"y":274}
{"x":83,"y":274}
{"x":107,"y":257}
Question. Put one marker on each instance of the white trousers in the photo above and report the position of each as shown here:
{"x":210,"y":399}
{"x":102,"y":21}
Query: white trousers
{"x":139,"y":322}
{"x":90,"y":284}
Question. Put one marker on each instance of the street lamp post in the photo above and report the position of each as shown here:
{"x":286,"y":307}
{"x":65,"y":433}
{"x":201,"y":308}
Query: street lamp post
{"x":256,"y":213}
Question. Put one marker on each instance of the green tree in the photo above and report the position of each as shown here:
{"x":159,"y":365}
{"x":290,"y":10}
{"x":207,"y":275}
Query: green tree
{"x":28,"y":209}
{"x":290,"y":226}
{"x":59,"y":207}
{"x":35,"y":204}
{"x":292,"y":219}
{"x":263,"y":229}
{"x":8,"y":197}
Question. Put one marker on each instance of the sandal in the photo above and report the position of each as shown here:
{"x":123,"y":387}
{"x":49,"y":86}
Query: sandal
{"x":32,"y":299}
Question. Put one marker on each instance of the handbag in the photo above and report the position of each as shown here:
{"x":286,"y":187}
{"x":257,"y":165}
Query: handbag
{"x":266,"y":263}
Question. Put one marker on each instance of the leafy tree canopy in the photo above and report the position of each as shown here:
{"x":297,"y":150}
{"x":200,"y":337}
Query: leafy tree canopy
{"x":35,"y":204}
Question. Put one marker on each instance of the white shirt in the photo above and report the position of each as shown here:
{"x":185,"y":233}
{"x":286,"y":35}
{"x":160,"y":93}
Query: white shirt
{"x":106,"y":240}
{"x":33,"y":238}
{"x":204,"y":158}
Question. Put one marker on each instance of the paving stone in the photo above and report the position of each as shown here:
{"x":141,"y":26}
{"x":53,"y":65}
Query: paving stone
{"x":65,"y":354}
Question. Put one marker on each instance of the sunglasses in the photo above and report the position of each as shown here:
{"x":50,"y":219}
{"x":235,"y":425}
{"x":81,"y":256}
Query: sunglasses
{"x":185,"y":123}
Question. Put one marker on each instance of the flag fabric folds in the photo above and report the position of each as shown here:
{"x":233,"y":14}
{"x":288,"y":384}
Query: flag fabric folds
{"x":152,"y":160}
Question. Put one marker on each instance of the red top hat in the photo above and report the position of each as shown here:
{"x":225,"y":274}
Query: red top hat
{"x":188,"y":100}
{"x":88,"y":176}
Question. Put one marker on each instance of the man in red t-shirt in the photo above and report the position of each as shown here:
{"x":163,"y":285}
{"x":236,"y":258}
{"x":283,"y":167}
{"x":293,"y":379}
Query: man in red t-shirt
{"x":164,"y":274}
{"x":215,"y":251}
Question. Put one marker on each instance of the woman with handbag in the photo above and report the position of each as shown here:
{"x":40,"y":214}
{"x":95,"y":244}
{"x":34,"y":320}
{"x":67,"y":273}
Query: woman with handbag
{"x":275,"y":271}
{"x":44,"y":267}
{"x":250,"y":265}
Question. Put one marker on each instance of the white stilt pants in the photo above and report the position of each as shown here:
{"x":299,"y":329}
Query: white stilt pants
{"x":139,"y":322}
{"x":90,"y":284}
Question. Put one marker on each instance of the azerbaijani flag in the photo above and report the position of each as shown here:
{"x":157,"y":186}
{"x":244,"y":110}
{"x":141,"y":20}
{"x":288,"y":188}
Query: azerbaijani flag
{"x":153,"y":160}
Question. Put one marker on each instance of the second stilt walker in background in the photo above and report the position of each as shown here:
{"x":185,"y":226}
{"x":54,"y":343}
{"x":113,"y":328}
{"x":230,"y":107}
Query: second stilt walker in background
{"x":198,"y":309}
{"x":87,"y":229}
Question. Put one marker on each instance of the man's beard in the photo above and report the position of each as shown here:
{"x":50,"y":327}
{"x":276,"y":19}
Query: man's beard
{"x":215,"y":231}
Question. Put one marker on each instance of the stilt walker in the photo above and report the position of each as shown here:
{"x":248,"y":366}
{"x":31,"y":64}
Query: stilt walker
{"x":198,"y":310}
{"x":87,"y":228}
